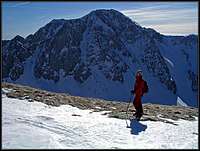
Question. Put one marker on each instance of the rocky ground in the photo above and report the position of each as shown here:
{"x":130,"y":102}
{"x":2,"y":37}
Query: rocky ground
{"x":153,"y":112}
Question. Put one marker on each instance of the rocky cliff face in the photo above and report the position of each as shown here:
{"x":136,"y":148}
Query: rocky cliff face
{"x":102,"y":47}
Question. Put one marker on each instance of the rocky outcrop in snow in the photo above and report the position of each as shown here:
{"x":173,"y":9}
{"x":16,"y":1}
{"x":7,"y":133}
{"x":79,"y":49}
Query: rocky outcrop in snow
{"x":153,"y":112}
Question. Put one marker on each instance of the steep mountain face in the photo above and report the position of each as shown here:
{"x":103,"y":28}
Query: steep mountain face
{"x":98,"y":55}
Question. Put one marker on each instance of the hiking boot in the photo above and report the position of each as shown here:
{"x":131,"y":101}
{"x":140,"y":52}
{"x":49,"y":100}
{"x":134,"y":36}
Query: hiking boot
{"x":138,"y":116}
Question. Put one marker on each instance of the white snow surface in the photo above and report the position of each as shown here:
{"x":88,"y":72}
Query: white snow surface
{"x":180,"y":102}
{"x":35,"y":125}
{"x":169,"y":61}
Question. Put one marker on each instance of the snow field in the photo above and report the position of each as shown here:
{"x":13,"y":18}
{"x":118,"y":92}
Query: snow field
{"x":36,"y":125}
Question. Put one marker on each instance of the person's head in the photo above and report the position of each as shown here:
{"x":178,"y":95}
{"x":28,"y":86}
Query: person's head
{"x":139,"y":74}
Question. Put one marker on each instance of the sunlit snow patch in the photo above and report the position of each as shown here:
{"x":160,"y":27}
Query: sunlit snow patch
{"x":6,"y":90}
{"x":169,"y":61}
{"x":180,"y":102}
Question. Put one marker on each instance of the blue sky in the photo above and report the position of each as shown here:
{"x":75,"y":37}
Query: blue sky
{"x":170,"y":18}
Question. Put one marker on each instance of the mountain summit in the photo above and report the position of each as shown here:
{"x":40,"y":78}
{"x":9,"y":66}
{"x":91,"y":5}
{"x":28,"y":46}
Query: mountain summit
{"x":97,"y":56}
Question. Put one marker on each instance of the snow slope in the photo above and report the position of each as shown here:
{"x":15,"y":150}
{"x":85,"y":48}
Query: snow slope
{"x":36,"y":125}
{"x":179,"y":65}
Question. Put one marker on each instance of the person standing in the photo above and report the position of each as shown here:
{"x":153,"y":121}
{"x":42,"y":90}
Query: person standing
{"x":140,"y":87}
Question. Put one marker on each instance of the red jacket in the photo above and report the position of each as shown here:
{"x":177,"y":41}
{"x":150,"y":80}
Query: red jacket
{"x":139,"y":86}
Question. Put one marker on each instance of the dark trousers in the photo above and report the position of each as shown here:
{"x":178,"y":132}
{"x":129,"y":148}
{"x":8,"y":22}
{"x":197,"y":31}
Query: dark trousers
{"x":138,"y":106}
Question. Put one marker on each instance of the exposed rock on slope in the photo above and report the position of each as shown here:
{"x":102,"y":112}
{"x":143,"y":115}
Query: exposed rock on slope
{"x":152,"y":112}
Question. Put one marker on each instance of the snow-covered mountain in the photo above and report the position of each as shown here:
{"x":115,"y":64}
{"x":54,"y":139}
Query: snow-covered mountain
{"x":98,"y":55}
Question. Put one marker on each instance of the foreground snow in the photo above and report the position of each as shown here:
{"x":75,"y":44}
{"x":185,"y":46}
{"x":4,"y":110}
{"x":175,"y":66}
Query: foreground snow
{"x":37,"y":125}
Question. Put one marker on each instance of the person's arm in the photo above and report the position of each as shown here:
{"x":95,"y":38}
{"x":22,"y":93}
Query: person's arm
{"x":134,"y":89}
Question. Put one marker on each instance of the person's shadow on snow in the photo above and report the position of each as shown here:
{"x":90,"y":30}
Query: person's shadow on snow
{"x":137,"y":127}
